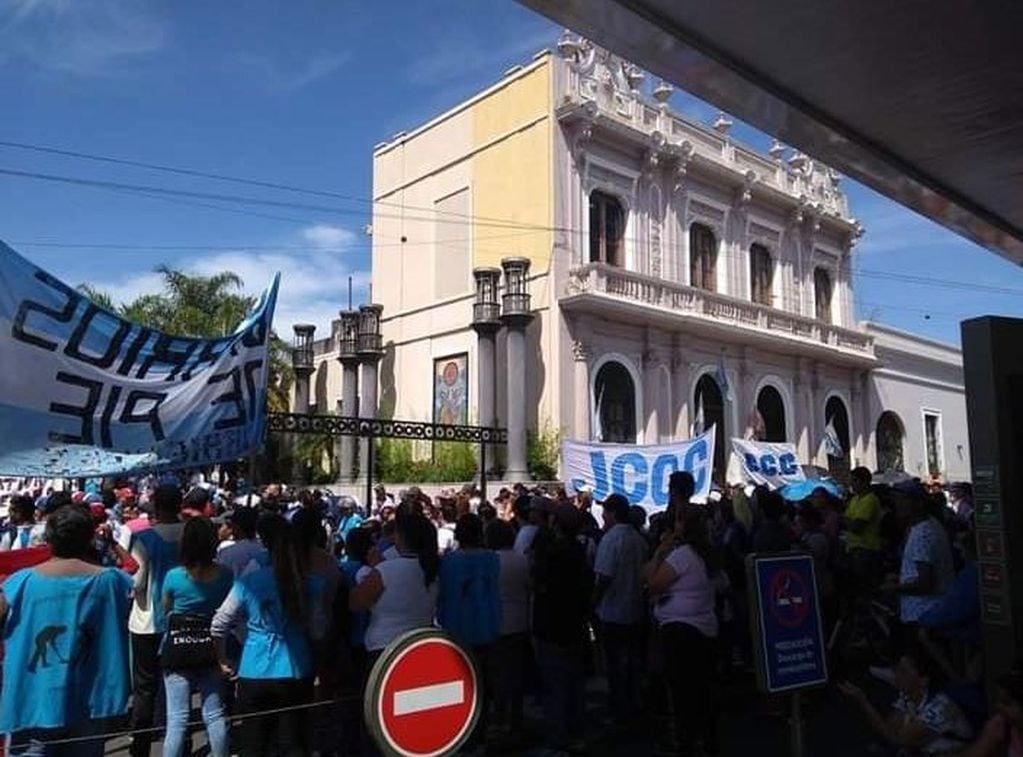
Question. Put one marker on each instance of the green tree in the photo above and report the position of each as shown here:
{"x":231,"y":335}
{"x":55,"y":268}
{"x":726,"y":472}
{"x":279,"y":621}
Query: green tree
{"x":203,"y":307}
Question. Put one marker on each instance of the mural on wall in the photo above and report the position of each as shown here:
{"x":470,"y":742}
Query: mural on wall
{"x":451,"y":389}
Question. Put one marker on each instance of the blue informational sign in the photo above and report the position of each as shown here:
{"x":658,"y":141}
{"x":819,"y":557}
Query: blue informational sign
{"x":789,"y":635}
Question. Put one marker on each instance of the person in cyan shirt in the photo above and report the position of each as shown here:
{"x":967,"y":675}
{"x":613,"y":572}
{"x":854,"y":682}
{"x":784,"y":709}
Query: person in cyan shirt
{"x":276,"y":668}
{"x":66,"y":644}
{"x":197,"y":587}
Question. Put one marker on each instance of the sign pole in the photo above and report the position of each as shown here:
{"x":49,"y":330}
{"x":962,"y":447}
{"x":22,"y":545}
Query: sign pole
{"x":369,"y":466}
{"x":483,"y":472}
{"x":251,"y":475}
{"x":796,"y":724}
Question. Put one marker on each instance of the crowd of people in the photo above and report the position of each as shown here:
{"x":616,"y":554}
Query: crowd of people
{"x":272,"y":607}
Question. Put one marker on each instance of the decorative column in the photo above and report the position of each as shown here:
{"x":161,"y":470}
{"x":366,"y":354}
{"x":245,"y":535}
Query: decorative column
{"x":744,"y":395}
{"x":302,"y":365}
{"x":486,"y":321}
{"x":681,"y":378}
{"x":581,"y":390}
{"x":348,"y":356}
{"x":801,"y":419}
{"x":516,"y":315}
{"x":370,"y":351}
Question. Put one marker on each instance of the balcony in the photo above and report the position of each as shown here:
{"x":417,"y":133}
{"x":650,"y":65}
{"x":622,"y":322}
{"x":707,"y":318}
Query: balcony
{"x":625,"y":296}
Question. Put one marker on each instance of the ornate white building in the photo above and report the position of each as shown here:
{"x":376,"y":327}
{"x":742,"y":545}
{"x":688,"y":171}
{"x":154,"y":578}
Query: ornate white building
{"x":672,"y":272}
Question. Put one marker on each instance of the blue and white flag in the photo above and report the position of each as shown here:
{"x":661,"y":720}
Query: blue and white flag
{"x":770,"y":464}
{"x":638,"y":472}
{"x":84,"y":392}
{"x":722,"y":379}
{"x":831,"y":443}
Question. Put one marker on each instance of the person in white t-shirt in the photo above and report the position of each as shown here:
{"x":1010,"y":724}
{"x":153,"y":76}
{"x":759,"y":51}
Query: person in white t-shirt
{"x":679,"y":580}
{"x":401,"y":592}
{"x":620,"y":606}
{"x":446,"y":530}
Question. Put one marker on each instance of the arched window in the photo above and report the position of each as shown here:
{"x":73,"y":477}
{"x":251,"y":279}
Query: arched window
{"x":761,"y":275}
{"x":837,"y":417}
{"x":889,"y":442}
{"x":709,"y":410}
{"x":607,"y":227}
{"x":771,"y":407}
{"x":615,"y":398}
{"x":822,"y":294}
{"x":703,"y":253}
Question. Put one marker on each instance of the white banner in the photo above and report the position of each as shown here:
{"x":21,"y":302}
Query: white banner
{"x":639,"y":473}
{"x":85,"y":392}
{"x":768,"y":463}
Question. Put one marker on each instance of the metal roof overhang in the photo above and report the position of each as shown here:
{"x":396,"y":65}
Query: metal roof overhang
{"x":921,"y":100}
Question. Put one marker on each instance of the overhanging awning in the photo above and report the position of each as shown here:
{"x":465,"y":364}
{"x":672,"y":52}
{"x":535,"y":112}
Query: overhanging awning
{"x":923,"y":101}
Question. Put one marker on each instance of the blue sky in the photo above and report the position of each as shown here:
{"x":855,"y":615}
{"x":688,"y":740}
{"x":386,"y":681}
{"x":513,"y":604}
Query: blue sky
{"x":298,"y":93}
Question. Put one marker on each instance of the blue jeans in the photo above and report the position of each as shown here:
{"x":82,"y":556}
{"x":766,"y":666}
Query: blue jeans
{"x":179,"y":686}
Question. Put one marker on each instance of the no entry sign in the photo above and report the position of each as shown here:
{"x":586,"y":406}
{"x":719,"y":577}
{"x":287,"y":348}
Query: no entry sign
{"x":423,"y":696}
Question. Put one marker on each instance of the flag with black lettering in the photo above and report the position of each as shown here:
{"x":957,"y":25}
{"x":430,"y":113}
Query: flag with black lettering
{"x":84,"y":392}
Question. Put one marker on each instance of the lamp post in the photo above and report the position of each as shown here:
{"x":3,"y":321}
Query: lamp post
{"x":348,"y":338}
{"x":486,"y":321}
{"x":302,"y":365}
{"x":370,"y":350}
{"x":516,"y":315}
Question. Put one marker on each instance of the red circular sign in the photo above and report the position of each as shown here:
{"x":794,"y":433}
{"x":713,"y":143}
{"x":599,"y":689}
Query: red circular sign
{"x":423,"y":698}
{"x":789,"y":598}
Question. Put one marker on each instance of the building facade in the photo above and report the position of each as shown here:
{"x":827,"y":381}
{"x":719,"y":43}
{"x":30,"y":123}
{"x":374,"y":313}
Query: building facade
{"x":675,"y":277}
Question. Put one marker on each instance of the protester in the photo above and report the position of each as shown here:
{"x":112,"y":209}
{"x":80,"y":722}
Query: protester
{"x":155,"y":549}
{"x":527,"y":522}
{"x":276,"y":669}
{"x":922,"y":720}
{"x":246,"y":547}
{"x":400,"y":592}
{"x":562,"y":582}
{"x":21,"y":531}
{"x":446,"y":540}
{"x":620,"y":607}
{"x":508,"y":659}
{"x":863,"y":531}
{"x":926,"y":572}
{"x":192,"y":593}
{"x":679,"y":579}
{"x":66,"y":644}
{"x":772,"y":533}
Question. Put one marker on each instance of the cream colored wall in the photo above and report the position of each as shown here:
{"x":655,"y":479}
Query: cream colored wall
{"x":497,"y":145}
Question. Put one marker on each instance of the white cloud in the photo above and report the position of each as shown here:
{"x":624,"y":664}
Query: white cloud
{"x":278,"y":77}
{"x":90,"y":38}
{"x":314,"y":285}
{"x":325,"y":235}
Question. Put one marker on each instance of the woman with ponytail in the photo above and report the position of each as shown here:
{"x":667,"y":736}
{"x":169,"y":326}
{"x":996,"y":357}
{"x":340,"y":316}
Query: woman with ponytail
{"x":276,"y":668}
{"x":400,"y":593}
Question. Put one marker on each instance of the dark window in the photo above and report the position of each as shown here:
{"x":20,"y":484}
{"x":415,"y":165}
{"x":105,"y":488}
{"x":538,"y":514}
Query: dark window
{"x":615,"y":398}
{"x":772,"y":410}
{"x":709,"y":410}
{"x":837,"y":416}
{"x":889,"y":442}
{"x":932,"y":438}
{"x":822,"y":295}
{"x":703,"y":253}
{"x":607,"y":224}
{"x":761,"y":274}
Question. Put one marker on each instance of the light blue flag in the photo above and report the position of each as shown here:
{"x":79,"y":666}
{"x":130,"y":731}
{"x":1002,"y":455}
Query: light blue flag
{"x":84,"y":392}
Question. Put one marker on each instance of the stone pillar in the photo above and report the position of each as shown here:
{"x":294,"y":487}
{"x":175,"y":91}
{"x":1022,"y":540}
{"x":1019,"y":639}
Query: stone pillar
{"x":516,"y":316}
{"x":801,"y":411}
{"x":744,"y":396}
{"x":370,"y":352}
{"x":302,"y":364}
{"x":581,"y":391}
{"x":681,"y":379}
{"x":348,"y":346}
{"x":486,"y":321}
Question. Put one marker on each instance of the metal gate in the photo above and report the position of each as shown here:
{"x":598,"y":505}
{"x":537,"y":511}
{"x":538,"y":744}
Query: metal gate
{"x":373,"y":428}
